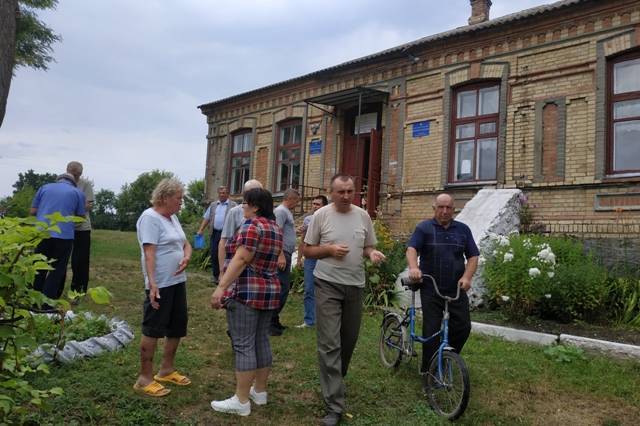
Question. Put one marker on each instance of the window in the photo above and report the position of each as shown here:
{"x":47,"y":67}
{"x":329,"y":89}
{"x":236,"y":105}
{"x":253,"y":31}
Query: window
{"x":288,"y":157}
{"x":475,"y":133}
{"x":240,"y":159}
{"x":624,"y":113}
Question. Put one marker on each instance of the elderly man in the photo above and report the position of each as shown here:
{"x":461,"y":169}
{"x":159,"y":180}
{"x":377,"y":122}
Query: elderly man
{"x":82,"y":235}
{"x":443,"y":245}
{"x":63,"y":197}
{"x":215,"y":216}
{"x":284,"y":219}
{"x":233,"y":222}
{"x":339,"y":236}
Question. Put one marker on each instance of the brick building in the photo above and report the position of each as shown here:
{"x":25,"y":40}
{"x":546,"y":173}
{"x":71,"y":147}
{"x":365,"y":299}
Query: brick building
{"x":546,"y":100}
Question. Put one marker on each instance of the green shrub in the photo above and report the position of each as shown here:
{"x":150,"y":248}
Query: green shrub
{"x":50,"y":329}
{"x":297,"y":279}
{"x":545,"y":276}
{"x":624,"y":301}
{"x":380,"y":283}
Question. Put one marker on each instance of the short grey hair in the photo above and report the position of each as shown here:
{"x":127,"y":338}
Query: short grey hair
{"x":252,"y":184}
{"x":75,"y":168}
{"x":167,"y":187}
{"x":290,"y":193}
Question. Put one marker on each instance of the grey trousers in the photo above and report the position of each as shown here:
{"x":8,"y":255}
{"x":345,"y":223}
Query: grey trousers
{"x":338,"y":317}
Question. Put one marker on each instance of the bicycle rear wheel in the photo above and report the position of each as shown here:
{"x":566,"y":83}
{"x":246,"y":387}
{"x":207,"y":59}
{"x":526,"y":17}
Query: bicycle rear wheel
{"x":448,"y":393}
{"x":392,"y":341}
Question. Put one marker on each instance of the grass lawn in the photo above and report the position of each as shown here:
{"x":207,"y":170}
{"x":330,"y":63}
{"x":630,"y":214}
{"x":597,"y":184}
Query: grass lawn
{"x":511,"y":383}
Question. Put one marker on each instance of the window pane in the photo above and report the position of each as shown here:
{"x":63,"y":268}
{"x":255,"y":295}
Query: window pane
{"x":295,"y":175}
{"x":626,"y":147}
{"x":247,"y":142}
{"x":626,"y":109}
{"x":486,"y":159}
{"x":297,"y":137}
{"x":626,"y":76}
{"x":487,"y":128}
{"x":489,"y":100}
{"x":286,"y":136}
{"x":284,"y":155}
{"x":464,"y":161}
{"x":466,"y":104}
{"x":282,"y":176}
{"x":236,"y":181}
{"x":237,"y":143}
{"x":464,"y":131}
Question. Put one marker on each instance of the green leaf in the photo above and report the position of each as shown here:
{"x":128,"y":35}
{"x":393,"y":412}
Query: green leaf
{"x":100,"y":295}
{"x":374,"y":278}
{"x":56,"y":391}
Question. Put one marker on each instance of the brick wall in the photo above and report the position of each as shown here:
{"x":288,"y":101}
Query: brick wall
{"x":550,"y":72}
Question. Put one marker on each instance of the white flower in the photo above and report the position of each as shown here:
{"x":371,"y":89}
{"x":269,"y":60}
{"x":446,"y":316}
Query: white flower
{"x":508,"y":257}
{"x":526,"y":243}
{"x":505,"y":298}
{"x":546,"y":255}
{"x":548,"y":296}
{"x":503,"y":241}
{"x":534,"y":272}
{"x":551,"y":274}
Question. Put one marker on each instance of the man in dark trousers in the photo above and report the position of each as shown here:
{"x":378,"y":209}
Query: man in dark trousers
{"x":443,"y":245}
{"x":63,"y":197}
{"x":215,"y":217}
{"x":82,"y":236}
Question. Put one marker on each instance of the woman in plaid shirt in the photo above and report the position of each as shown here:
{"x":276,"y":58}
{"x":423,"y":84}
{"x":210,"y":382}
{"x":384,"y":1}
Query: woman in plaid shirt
{"x":250,"y":291}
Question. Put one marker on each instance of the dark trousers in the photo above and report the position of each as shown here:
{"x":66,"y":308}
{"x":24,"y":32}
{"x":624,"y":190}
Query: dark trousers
{"x":285,"y":283}
{"x":459,"y":323}
{"x":51,"y":283}
{"x":80,"y":261}
{"x":338,"y":317}
{"x":215,"y":265}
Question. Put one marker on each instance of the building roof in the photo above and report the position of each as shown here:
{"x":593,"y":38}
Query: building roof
{"x":401,"y":49}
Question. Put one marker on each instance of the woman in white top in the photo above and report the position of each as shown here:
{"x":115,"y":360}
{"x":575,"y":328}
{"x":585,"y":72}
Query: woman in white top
{"x":165,"y":255}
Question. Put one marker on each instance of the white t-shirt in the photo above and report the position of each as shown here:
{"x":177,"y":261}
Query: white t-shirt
{"x":169,"y":238}
{"x":354,"y":229}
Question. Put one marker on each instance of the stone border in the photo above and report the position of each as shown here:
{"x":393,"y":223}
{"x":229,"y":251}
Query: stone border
{"x":93,"y":346}
{"x":618,"y":350}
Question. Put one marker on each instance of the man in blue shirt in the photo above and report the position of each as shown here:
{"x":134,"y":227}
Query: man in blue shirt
{"x":443,"y":245}
{"x":215,"y":216}
{"x":63,"y":197}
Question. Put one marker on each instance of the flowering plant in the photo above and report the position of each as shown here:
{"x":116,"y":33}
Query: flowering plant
{"x":546,"y":276}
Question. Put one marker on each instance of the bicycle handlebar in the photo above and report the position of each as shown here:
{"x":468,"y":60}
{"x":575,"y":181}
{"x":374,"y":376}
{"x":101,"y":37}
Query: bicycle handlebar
{"x":409,"y":283}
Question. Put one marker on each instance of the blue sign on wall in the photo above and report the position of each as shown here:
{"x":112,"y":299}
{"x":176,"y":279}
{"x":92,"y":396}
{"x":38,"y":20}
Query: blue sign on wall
{"x":420,"y":128}
{"x":315,"y":147}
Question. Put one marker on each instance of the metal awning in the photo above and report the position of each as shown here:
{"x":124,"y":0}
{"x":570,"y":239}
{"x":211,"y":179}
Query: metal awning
{"x":348,"y":98}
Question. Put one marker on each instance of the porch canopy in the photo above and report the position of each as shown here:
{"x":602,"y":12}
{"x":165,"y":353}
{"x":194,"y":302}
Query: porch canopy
{"x":348,"y":98}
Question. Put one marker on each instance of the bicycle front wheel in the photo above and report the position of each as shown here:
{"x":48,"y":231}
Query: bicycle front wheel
{"x":448,"y":388}
{"x":392,"y":341}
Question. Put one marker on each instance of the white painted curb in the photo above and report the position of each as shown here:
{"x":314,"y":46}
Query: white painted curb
{"x":514,"y":335}
{"x":618,"y":350}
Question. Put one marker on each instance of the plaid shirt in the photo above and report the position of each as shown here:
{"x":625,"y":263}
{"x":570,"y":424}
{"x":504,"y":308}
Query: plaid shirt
{"x":258,"y":286}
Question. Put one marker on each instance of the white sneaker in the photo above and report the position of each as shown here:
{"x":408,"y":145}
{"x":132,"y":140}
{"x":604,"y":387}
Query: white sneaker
{"x":232,"y":405}
{"x":304,"y":325}
{"x":259,"y":398}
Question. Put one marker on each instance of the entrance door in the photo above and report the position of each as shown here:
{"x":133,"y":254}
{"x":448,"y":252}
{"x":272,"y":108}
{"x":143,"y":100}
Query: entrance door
{"x":361,"y":158}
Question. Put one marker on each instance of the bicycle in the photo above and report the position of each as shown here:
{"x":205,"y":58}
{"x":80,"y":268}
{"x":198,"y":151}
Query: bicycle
{"x":446,"y":383}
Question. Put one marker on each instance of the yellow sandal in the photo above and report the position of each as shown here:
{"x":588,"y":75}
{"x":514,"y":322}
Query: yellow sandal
{"x":154,"y":389}
{"x":175,"y":378}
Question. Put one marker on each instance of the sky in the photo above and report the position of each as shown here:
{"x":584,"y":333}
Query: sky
{"x":122,"y":96}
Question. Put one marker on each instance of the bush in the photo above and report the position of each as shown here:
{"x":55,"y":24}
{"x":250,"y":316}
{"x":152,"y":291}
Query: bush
{"x":380,"y":283}
{"x":624,"y":301}
{"x":544,"y":276}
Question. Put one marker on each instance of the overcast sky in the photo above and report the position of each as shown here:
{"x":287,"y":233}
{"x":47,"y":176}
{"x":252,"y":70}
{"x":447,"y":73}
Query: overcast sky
{"x":122,"y":96}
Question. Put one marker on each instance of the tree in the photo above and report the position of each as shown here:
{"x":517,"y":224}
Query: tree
{"x":19,"y":204}
{"x":33,"y":179}
{"x":193,"y":206}
{"x":24,"y":41}
{"x":103,"y":215}
{"x":134,"y":198}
